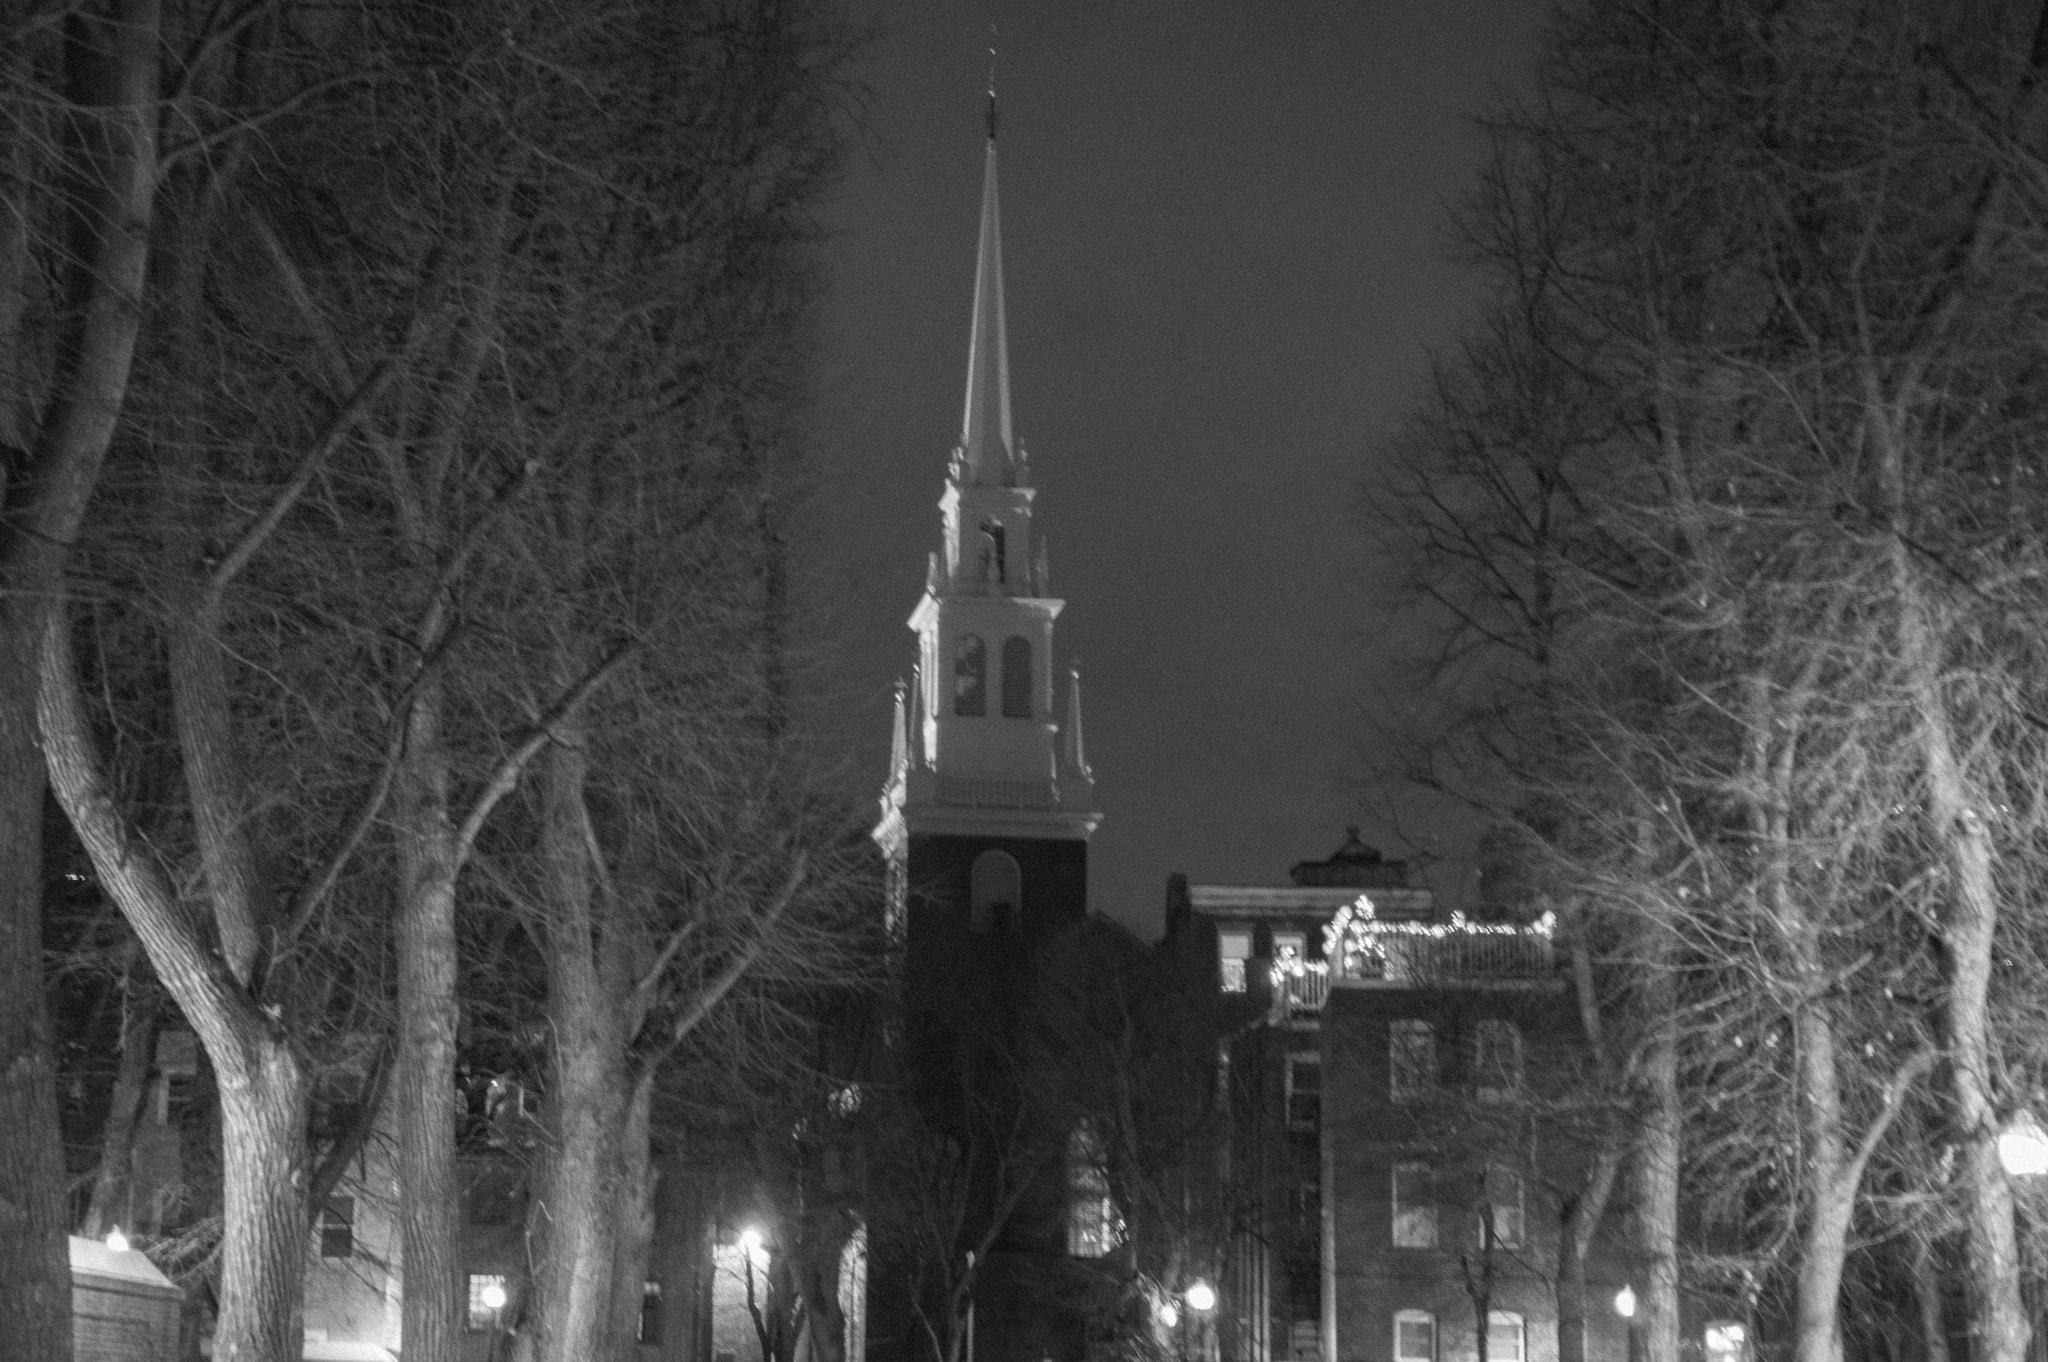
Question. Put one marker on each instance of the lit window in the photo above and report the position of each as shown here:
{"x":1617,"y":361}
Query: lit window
{"x":1414,"y":1206}
{"x":1304,"y":1092}
{"x":970,"y":677}
{"x":1289,"y":949}
{"x":1497,"y":1060}
{"x":486,"y":1301}
{"x":1504,"y":1205}
{"x":1233,"y":947}
{"x":1016,"y":678}
{"x":1506,"y":1338}
{"x":1411,"y":1060}
{"x":1414,"y":1336}
{"x":337,"y":1227}
{"x":1094,"y":1225}
{"x":650,"y":1312}
{"x":995,"y":886}
{"x":1727,"y":1341}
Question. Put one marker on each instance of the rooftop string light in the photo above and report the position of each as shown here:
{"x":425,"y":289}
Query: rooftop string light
{"x":1354,"y":938}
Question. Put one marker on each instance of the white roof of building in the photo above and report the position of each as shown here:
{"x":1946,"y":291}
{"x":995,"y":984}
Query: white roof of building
{"x":131,"y":1265}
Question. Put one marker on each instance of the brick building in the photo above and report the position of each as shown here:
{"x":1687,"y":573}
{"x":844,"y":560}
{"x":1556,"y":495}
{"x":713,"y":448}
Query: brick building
{"x":1394,"y":1184}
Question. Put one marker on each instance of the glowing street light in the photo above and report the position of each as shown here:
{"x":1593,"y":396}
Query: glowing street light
{"x":1625,"y":1302}
{"x":755,"y":1245}
{"x":493,"y":1296}
{"x":116,"y":1240}
{"x":1167,"y":1313}
{"x":2023,"y":1146}
{"x":1201,"y":1297}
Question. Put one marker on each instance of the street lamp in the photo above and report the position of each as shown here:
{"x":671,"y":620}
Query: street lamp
{"x":1201,"y":1298}
{"x":493,"y":1296}
{"x":116,"y":1240}
{"x":1625,"y":1306}
{"x":1167,"y":1313}
{"x":2023,"y":1146}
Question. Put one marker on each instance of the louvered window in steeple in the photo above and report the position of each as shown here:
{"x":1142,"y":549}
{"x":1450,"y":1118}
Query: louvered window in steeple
{"x":970,"y":677}
{"x":1016,"y":677}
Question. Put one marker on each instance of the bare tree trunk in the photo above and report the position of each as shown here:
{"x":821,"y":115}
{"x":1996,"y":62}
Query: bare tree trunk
{"x":1831,"y":1198}
{"x":42,"y":503}
{"x":263,"y":1090}
{"x":1575,"y":1244}
{"x":263,"y":1164}
{"x":586,"y":1098}
{"x":1999,"y":1324}
{"x":635,"y":1217}
{"x":424,"y":1066}
{"x":113,"y":1187}
{"x":1927,"y":1278}
{"x":35,"y":1269}
{"x":1656,"y":1158}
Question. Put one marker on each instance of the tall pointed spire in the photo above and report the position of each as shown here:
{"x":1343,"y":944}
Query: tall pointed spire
{"x":987,"y":445}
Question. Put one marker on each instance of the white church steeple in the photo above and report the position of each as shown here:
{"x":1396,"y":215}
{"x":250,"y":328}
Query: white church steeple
{"x":983,"y":752}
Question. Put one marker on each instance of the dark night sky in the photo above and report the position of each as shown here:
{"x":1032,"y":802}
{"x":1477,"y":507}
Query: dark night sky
{"x":1225,"y":238}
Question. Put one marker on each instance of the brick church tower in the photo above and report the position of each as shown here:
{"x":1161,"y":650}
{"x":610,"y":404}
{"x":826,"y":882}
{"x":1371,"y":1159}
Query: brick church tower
{"x":984,"y":825}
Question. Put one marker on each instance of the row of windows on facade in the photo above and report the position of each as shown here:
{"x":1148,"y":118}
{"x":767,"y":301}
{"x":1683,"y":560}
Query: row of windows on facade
{"x":1498,"y":1220}
{"x":1507,"y":1338}
{"x":1414,"y":1060}
{"x":1414,"y":1072}
{"x":1234,"y":949}
{"x":489,"y":1292}
{"x":970,"y":677}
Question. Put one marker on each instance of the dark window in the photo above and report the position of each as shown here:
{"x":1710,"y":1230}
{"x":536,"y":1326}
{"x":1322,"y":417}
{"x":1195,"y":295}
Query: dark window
{"x":1411,"y":1059}
{"x":1497,"y":1060}
{"x":1016,"y":677}
{"x":1414,"y":1206}
{"x":995,"y":888}
{"x":1304,"y":1092}
{"x":337,"y":1224}
{"x":970,"y":677}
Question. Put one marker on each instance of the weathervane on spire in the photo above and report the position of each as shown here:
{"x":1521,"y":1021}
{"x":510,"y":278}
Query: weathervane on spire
{"x":991,"y":81}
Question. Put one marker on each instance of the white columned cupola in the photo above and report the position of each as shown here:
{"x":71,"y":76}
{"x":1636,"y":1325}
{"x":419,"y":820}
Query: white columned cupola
{"x":985,"y":747}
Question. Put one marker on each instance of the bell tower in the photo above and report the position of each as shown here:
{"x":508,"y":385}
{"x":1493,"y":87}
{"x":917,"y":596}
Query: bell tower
{"x":985,"y":822}
{"x":987,"y":753}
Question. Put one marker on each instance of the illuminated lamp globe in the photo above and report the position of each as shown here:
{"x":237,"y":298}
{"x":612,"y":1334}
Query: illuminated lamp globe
{"x":1201,"y":1297}
{"x":1167,"y":1313}
{"x":2023,"y":1146}
{"x":1625,"y":1302}
{"x":493,"y":1296}
{"x":116,"y":1240}
{"x":755,"y":1245}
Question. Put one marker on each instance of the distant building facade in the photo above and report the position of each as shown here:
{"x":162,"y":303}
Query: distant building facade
{"x":1395,"y":1193}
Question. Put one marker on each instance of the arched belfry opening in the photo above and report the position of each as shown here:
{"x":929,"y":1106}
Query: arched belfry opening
{"x":970,"y":677}
{"x":995,"y":891}
{"x":1016,"y":677}
{"x":993,"y":571}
